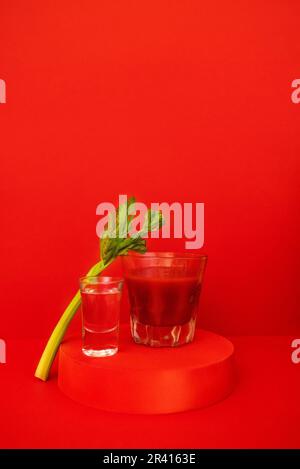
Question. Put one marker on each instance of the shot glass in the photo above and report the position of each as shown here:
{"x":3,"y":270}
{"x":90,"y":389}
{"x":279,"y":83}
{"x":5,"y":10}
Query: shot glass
{"x":101,"y":298}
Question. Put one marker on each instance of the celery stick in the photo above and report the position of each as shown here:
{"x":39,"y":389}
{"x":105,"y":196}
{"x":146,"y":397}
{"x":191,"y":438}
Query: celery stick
{"x":112,"y":246}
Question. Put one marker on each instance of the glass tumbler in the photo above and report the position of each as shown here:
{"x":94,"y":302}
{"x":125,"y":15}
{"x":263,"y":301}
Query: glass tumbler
{"x":164,"y":290}
{"x":101,"y":298}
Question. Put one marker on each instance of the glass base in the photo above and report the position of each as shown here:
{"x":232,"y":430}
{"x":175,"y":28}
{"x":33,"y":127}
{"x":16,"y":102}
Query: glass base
{"x":164,"y":336}
{"x":107,"y":352}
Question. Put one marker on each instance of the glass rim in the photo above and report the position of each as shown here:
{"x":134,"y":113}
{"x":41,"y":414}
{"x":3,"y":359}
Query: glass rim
{"x":101,"y":280}
{"x":167,"y":254}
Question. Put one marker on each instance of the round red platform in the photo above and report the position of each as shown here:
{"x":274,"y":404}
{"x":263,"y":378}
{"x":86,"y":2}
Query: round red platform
{"x":148,"y":380}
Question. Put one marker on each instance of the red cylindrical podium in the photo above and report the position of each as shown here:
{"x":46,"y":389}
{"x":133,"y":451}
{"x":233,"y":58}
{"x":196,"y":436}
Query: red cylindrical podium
{"x":147,"y":380}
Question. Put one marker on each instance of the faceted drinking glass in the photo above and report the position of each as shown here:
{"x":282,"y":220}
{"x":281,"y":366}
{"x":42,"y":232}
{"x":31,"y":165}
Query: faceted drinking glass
{"x":164,"y":290}
{"x":101,"y":298}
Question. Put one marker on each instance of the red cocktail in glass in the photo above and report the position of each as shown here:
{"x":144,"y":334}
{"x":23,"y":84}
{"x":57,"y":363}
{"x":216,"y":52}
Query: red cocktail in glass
{"x":164,"y":290}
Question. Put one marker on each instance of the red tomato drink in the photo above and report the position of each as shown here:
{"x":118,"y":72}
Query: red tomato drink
{"x":159,"y":300}
{"x":164,"y":290}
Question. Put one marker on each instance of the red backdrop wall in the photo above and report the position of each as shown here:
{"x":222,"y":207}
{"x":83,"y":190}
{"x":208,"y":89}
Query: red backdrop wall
{"x":187,"y":101}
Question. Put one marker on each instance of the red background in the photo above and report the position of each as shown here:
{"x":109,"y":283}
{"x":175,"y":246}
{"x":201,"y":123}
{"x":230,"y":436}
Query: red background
{"x":183,"y":101}
{"x":169,"y":101}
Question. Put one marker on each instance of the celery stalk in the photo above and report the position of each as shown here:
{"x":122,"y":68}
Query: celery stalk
{"x":112,"y":246}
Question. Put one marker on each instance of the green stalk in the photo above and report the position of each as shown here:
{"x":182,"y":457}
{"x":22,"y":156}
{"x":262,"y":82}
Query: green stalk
{"x":112,"y":246}
{"x":46,"y":360}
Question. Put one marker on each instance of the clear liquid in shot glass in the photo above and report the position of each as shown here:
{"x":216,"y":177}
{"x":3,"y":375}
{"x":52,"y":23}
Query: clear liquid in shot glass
{"x":100,"y":320}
